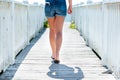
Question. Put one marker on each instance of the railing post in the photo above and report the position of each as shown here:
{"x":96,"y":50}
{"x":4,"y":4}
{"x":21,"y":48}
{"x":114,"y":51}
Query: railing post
{"x":89,"y":1}
{"x":1,"y":59}
{"x":28,"y":30}
{"x":12,"y":41}
{"x":25,"y":1}
{"x":104,"y":47}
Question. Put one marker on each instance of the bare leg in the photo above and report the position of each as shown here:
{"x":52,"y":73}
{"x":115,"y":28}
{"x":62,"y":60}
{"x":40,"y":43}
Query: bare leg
{"x":56,"y":26}
{"x":59,"y":20}
{"x":52,"y":36}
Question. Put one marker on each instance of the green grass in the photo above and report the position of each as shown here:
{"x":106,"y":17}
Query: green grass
{"x":46,"y":25}
{"x":72,"y":25}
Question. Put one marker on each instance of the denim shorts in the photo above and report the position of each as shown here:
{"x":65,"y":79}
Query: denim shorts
{"x":55,"y":8}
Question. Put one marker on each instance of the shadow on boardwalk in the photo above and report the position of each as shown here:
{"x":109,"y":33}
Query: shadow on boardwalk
{"x":34,"y":62}
{"x":20,"y":57}
{"x":62,"y":71}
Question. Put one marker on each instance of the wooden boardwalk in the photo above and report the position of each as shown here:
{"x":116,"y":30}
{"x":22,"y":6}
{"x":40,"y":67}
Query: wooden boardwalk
{"x":78,"y":62}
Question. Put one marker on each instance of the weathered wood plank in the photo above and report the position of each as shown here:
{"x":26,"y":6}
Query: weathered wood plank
{"x":78,"y":62}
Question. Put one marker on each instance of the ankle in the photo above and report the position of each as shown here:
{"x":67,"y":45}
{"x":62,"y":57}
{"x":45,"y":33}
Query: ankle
{"x":57,"y":58}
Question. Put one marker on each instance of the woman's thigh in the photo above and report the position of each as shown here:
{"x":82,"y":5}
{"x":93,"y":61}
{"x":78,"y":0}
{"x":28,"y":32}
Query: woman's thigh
{"x":59,"y":21}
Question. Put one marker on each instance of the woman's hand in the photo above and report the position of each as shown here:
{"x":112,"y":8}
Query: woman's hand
{"x":70,"y":9}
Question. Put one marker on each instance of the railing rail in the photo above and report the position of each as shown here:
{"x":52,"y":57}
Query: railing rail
{"x":99,"y":24}
{"x":19,"y":23}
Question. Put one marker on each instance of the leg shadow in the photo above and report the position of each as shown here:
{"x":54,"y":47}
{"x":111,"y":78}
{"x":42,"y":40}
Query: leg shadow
{"x":61,"y":71}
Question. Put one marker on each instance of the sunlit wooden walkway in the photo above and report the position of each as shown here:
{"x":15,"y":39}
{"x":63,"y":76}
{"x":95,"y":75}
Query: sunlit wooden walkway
{"x":78,"y":62}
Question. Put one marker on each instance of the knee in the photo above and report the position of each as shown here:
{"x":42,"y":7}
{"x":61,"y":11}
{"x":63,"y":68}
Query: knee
{"x":52,"y":30}
{"x":59,"y":34}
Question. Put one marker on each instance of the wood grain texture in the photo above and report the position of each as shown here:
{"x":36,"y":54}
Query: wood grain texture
{"x":78,"y":62}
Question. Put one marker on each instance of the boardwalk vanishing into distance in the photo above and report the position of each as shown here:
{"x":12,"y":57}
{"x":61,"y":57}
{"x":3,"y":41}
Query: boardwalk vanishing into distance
{"x":78,"y":61}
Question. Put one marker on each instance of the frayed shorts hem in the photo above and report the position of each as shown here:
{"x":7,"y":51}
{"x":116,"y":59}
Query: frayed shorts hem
{"x":55,"y":16}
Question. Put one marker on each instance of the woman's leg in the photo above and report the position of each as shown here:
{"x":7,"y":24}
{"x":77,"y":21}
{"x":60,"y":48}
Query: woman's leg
{"x":56,"y":26}
{"x":59,"y":20}
{"x":52,"y":36}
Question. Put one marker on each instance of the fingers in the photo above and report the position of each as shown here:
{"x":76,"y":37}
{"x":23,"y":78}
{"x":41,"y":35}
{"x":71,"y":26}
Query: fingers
{"x":69,"y":10}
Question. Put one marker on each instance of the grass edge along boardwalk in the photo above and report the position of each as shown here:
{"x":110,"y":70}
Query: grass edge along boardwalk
{"x":78,"y":62}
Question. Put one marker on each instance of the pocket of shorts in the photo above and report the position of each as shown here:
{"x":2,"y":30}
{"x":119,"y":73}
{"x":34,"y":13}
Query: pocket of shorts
{"x":62,"y":1}
{"x":63,"y":7}
{"x":47,"y":8}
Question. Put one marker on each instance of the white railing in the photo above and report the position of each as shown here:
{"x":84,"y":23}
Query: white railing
{"x":19,"y":23}
{"x":99,"y":24}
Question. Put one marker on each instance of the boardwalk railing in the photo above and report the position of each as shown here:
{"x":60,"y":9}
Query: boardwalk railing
{"x":19,"y":23}
{"x":99,"y":24}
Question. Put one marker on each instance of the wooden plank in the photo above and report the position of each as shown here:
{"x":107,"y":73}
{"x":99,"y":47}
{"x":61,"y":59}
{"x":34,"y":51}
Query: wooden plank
{"x":78,"y":62}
